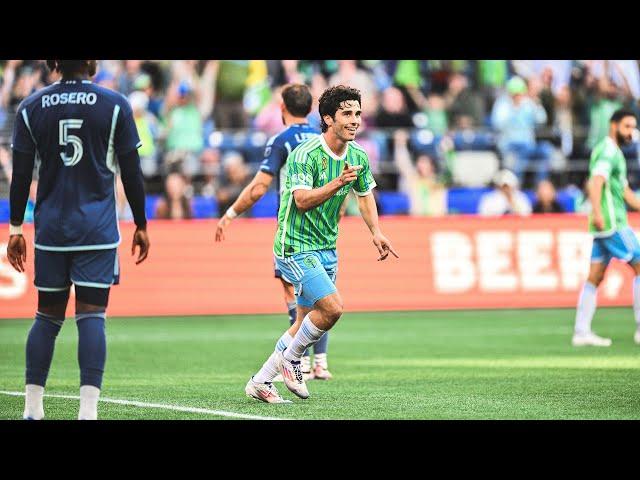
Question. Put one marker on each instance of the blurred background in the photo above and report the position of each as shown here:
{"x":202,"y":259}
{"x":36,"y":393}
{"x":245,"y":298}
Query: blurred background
{"x":437,"y":131}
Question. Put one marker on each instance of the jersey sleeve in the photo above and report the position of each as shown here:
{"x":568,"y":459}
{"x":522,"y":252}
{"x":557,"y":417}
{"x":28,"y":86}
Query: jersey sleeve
{"x":365,"y":182}
{"x":22,"y":140}
{"x":275,"y":154}
{"x":126,"y":136}
{"x":604,"y":164}
{"x":300,"y":170}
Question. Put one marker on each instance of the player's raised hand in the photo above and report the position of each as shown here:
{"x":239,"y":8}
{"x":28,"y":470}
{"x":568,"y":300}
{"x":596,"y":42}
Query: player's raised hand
{"x":223,"y":223}
{"x":349,"y":173}
{"x":17,"y":252}
{"x":140,"y":239}
{"x":384,"y":246}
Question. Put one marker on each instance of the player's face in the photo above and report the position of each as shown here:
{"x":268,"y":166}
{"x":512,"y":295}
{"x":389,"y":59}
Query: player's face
{"x":625,"y":130}
{"x":347,"y":120}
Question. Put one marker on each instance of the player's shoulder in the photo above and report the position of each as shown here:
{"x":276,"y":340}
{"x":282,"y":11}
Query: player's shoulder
{"x":605,"y":148}
{"x":308,"y":147}
{"x":357,"y":149}
{"x":113,"y":96}
{"x":35,"y":97}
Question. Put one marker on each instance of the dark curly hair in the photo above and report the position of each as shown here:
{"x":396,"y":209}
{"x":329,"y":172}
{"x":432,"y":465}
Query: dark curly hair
{"x":71,"y":67}
{"x":331,"y":99}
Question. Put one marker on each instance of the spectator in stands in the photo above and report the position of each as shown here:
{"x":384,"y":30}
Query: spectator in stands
{"x":210,"y":161}
{"x":427,"y":196}
{"x":318,"y":85}
{"x":349,"y":74}
{"x":144,"y":83}
{"x":132,"y":69}
{"x":393,"y":111}
{"x":269,"y":120}
{"x":184,"y":131}
{"x":546,"y":200}
{"x":408,"y":75}
{"x":515,"y":117}
{"x":506,"y":198}
{"x":230,"y":86}
{"x":436,"y":114}
{"x":236,"y":176}
{"x":106,"y":79}
{"x":147,"y":130}
{"x":176,"y":201}
{"x":464,"y":106}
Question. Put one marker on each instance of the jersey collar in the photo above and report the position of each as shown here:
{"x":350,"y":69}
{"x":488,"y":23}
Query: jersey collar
{"x":330,"y":152}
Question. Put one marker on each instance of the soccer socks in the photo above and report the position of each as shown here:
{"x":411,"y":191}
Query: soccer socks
{"x":636,"y":300}
{"x":40,"y":345}
{"x":291,"y":307}
{"x":88,"y":402}
{"x":92,"y":347}
{"x":307,"y":335}
{"x":320,"y":347}
{"x":587,"y":307}
{"x":269,"y":369}
{"x":33,"y":407}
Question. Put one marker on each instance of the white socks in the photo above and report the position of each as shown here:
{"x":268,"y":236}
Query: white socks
{"x":307,"y":335}
{"x":269,"y":369}
{"x":320,"y":360}
{"x":88,"y":402}
{"x":33,"y":407}
{"x":636,"y":300}
{"x":587,"y":307}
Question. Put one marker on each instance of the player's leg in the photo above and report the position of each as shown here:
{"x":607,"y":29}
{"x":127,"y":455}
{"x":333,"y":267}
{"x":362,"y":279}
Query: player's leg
{"x":52,"y":282}
{"x":587,"y":302}
{"x":290,"y":300}
{"x":93,"y":273}
{"x":320,"y":348}
{"x":634,"y":247}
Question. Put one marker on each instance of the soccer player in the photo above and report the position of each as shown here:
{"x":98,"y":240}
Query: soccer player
{"x":296,"y":105}
{"x":320,"y":174}
{"x":612,"y":237}
{"x":79,"y":134}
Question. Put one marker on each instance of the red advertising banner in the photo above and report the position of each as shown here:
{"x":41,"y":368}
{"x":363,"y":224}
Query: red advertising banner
{"x":445,"y":263}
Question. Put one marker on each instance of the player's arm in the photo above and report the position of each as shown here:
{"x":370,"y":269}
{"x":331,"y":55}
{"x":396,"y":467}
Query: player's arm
{"x":24,"y":153}
{"x":18,"y":197}
{"x":309,"y":198}
{"x":127,"y":142}
{"x":369,"y":212}
{"x":248,"y":197}
{"x":595,"y":196}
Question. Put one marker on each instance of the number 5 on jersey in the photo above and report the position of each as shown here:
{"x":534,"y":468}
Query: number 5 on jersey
{"x":66,"y":138}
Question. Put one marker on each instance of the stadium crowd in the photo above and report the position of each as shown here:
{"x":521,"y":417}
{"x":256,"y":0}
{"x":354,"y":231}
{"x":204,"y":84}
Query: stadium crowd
{"x":439,"y":133}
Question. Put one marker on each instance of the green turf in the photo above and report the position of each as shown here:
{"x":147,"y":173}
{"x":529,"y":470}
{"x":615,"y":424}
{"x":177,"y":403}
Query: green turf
{"x":510,"y":364}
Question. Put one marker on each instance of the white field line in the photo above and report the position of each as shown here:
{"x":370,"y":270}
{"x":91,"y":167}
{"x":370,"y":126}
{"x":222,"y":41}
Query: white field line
{"x":206,"y":411}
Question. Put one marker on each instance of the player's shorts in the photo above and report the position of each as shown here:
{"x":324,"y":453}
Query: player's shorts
{"x":623,"y":244}
{"x":56,"y":271}
{"x":312,"y":274}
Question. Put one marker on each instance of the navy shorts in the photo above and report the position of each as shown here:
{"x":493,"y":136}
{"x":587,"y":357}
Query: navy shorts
{"x":56,"y":271}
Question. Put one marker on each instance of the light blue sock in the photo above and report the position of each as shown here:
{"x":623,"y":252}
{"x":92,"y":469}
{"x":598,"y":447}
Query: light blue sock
{"x":586,"y":308}
{"x":636,"y":300}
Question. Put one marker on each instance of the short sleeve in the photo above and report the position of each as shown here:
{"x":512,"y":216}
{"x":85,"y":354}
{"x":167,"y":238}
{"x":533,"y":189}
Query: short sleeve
{"x":274,"y":156}
{"x":22,"y":140}
{"x":126,"y":136}
{"x":365,"y":182}
{"x":605,"y":162}
{"x":300,"y":170}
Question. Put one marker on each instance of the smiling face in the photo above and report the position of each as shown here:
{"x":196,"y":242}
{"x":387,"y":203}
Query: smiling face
{"x":346,"y":121}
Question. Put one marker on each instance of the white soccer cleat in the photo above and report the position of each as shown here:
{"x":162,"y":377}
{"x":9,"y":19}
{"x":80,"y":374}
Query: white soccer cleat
{"x":589,"y":339}
{"x":278,"y":378}
{"x":265,"y":392}
{"x":321,"y":373}
{"x":292,"y":376}
{"x":636,"y":337}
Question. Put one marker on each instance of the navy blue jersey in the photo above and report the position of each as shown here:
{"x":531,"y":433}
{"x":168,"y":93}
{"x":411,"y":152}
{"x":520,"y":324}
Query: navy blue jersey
{"x":280,"y":146}
{"x":76,"y":129}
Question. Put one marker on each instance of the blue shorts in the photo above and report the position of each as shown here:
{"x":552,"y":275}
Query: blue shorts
{"x":56,"y":271}
{"x":623,"y":245}
{"x":313,"y":274}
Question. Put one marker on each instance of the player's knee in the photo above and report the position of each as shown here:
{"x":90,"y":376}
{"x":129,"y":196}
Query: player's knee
{"x":333,"y":311}
{"x":90,"y":299}
{"x":53,"y":303}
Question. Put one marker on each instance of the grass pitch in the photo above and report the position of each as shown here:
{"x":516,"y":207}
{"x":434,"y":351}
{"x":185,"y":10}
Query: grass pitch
{"x":507,"y":364}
